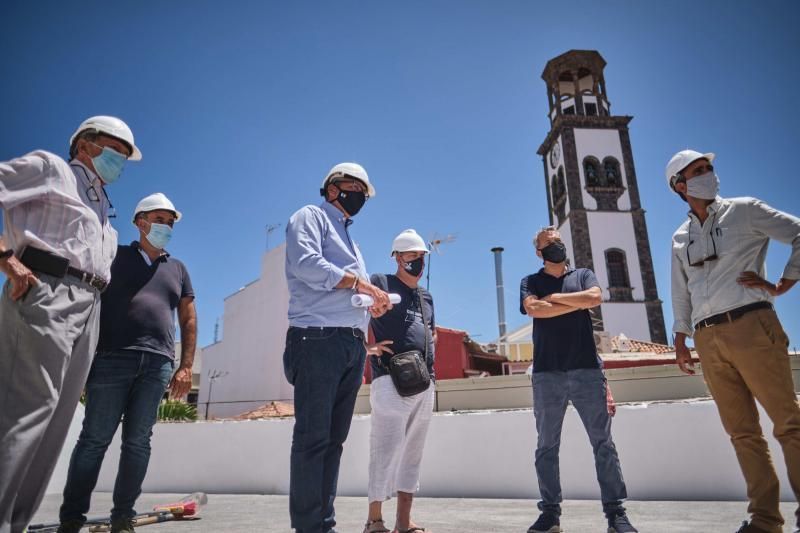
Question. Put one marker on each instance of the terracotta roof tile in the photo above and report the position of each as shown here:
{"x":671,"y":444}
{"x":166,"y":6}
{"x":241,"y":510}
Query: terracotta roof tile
{"x":270,"y":410}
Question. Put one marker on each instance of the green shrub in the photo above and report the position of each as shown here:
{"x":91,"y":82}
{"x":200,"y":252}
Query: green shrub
{"x":176,"y":411}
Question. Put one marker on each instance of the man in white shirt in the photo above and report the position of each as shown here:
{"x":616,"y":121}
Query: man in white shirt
{"x":56,"y":251}
{"x":720,"y":295}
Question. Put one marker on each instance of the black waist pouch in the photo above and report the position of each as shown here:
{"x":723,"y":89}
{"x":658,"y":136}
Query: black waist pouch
{"x":409,"y":373}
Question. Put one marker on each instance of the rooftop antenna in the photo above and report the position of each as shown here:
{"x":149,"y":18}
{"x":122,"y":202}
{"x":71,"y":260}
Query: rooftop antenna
{"x":213,"y":375}
{"x":434,"y":244}
{"x":270,"y":228}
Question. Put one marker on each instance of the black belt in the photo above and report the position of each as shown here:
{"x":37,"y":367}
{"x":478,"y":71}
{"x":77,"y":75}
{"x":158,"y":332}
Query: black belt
{"x":90,"y":279}
{"x":355,"y":332}
{"x":59,"y":267}
{"x":733,"y":314}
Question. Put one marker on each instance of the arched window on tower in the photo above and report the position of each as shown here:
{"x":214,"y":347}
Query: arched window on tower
{"x":611,"y":175}
{"x":619,"y":285}
{"x":603,"y":182}
{"x":591,"y":171}
{"x":558,"y":189}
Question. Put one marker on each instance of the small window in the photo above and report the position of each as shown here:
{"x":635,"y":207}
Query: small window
{"x":619,"y":285}
{"x":559,"y":186}
{"x":591,"y":109}
{"x":569,"y":110}
{"x":617,"y":270}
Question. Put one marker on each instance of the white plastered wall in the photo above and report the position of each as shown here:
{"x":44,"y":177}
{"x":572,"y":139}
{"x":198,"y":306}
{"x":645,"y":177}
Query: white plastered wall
{"x":253,"y":456}
{"x":251,"y":350}
{"x":600,"y":143}
{"x":629,"y":318}
{"x":615,"y":230}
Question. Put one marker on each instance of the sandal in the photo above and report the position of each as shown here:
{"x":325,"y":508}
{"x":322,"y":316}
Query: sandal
{"x":414,"y":529}
{"x":375,"y":526}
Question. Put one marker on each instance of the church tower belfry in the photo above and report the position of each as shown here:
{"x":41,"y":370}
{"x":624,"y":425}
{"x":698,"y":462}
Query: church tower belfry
{"x":593,"y":197}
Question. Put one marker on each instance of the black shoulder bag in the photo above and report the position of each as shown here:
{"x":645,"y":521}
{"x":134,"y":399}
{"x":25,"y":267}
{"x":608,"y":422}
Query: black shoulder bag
{"x":409,"y":370}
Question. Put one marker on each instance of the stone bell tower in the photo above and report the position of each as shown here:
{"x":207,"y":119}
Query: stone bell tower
{"x":593,"y":197}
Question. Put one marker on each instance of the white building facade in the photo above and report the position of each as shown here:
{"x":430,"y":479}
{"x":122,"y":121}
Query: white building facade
{"x":245,"y":369}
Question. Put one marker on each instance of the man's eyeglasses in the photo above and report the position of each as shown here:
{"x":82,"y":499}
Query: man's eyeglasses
{"x":711,"y":257}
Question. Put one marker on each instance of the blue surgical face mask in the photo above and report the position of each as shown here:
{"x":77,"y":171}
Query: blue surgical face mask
{"x":108,"y":164}
{"x":159,"y":235}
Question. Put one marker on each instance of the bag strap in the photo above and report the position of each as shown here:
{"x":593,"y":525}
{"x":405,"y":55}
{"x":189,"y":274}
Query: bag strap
{"x":424,"y":320}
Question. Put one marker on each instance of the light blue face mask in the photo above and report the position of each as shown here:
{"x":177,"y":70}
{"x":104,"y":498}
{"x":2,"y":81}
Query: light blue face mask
{"x":108,"y":164}
{"x":159,"y":235}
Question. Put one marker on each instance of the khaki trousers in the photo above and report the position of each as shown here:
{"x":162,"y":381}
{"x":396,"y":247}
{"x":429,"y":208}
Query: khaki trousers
{"x":744,"y":361}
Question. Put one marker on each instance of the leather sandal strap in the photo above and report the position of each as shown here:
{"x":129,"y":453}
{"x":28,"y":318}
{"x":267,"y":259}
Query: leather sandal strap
{"x":370,"y":523}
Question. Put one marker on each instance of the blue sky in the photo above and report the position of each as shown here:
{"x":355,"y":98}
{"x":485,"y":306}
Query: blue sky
{"x":241,"y":107}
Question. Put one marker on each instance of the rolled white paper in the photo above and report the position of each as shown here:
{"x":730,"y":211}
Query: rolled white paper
{"x":362,"y":300}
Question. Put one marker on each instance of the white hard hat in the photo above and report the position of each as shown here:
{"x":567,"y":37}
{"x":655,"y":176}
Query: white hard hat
{"x":408,"y":241}
{"x":681,"y":160}
{"x":354,"y":170}
{"x":154,"y":202}
{"x":113,"y":127}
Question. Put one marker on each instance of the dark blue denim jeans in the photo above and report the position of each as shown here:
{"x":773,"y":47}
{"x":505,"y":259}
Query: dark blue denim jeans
{"x":123,"y":385}
{"x":326,"y":366}
{"x":586,"y":388}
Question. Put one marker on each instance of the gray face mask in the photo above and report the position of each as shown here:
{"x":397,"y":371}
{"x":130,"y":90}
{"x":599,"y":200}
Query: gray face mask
{"x":704,"y":187}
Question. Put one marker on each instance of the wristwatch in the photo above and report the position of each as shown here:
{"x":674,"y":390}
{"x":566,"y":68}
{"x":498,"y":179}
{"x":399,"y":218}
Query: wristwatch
{"x":5,"y":254}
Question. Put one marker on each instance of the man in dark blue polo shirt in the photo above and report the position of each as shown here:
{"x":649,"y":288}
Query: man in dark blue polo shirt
{"x":566,"y":368}
{"x":133,"y":364}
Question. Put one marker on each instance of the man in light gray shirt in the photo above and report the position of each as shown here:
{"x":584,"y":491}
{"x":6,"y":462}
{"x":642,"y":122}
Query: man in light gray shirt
{"x":720,"y":295}
{"x":56,"y":251}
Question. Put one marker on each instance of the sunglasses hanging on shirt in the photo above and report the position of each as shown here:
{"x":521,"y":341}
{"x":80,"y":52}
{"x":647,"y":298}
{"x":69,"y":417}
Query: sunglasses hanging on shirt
{"x":711,"y":257}
{"x":91,"y":194}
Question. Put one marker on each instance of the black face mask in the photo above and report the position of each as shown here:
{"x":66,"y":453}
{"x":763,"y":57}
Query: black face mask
{"x":554,"y":252}
{"x":351,"y":201}
{"x":414,"y":268}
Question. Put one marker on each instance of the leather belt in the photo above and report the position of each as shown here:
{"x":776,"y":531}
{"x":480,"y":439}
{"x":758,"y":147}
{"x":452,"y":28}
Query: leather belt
{"x":733,"y":314}
{"x":355,"y":332}
{"x":90,"y":279}
{"x":59,"y":267}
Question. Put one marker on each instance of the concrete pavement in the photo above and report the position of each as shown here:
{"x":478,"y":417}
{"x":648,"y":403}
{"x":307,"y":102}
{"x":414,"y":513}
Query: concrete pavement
{"x":227,"y":513}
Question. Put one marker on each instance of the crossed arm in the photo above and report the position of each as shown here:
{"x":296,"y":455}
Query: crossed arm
{"x":561,"y":303}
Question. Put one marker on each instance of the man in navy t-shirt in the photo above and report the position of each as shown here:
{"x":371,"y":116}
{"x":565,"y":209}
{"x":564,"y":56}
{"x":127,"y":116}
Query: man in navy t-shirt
{"x":133,"y":365}
{"x":566,"y":368}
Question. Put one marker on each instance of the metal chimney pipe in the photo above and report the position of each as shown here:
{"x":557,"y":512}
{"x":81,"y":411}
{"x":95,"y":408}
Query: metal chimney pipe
{"x":501,"y":305}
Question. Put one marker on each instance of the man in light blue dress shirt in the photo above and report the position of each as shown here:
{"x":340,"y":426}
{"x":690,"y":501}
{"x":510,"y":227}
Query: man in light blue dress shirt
{"x":325,"y":353}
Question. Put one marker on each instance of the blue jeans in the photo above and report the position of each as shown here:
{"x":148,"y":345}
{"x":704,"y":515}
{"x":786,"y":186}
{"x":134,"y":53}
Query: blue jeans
{"x":126,"y":385}
{"x":326,"y":366}
{"x":586,"y":388}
